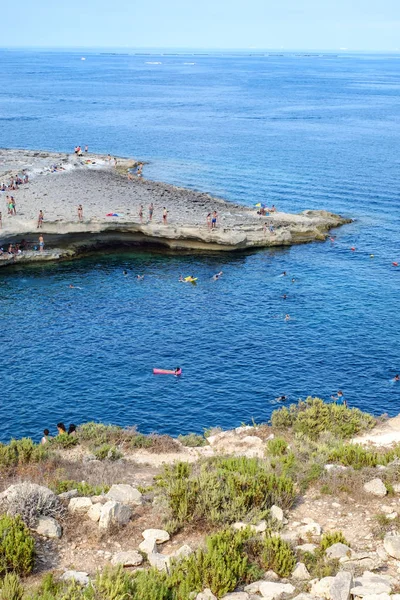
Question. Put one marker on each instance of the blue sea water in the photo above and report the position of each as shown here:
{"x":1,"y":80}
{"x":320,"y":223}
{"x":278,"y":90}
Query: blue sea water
{"x":297,"y":131}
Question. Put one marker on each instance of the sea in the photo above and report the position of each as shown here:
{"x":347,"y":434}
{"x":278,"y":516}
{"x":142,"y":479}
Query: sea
{"x":298,"y":130}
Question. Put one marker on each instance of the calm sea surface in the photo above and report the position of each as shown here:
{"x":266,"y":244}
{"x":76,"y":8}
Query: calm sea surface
{"x":299,"y":132}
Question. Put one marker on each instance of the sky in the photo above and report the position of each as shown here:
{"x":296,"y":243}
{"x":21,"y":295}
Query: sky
{"x":372,"y":25}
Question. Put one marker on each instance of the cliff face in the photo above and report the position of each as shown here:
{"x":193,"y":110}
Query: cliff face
{"x":69,"y":239}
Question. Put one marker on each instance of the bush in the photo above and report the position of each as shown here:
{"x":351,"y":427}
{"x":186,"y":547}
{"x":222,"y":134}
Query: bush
{"x":31,"y":501}
{"x":84,"y":489}
{"x":332,"y":537}
{"x":192,"y":440}
{"x":64,"y":440}
{"x":20,"y":452}
{"x":107,"y":452}
{"x":318,"y":566}
{"x":277,"y":446}
{"x":353,"y":455}
{"x":314,"y":416}
{"x":11,"y":588}
{"x":277,"y":555}
{"x":221,"y":566}
{"x":223,"y":490}
{"x":98,"y":434}
{"x":141,"y":441}
{"x":17,"y":548}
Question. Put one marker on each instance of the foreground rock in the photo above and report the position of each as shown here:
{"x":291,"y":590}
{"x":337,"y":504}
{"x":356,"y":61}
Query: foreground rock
{"x":127,"y":559}
{"x":376,"y":487}
{"x":114,"y":513}
{"x":79,"y":576}
{"x":126,"y":494}
{"x":48,"y":527}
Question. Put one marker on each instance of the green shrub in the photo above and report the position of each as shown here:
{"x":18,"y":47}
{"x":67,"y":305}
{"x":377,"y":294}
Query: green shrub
{"x":332,"y":537}
{"x":84,"y":489}
{"x":141,"y":441}
{"x":192,"y":440}
{"x":64,"y":440}
{"x":11,"y":588}
{"x":107,"y":452}
{"x":318,"y":566}
{"x":221,"y":566}
{"x":223,"y":490}
{"x":314,"y":416}
{"x":278,"y":556}
{"x":353,"y":455}
{"x":17,"y":548}
{"x":20,"y":452}
{"x":98,"y":434}
{"x":277,"y":446}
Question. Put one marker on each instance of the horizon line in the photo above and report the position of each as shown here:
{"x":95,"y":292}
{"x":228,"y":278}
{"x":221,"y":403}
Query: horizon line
{"x":201,"y":49}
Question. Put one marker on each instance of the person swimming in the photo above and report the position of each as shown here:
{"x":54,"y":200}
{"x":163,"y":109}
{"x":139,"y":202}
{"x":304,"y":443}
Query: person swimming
{"x":177,"y":370}
{"x":139,"y":277}
{"x":281,"y":399}
{"x":284,"y":296}
{"x":181,"y":278}
{"x":217,"y":276}
{"x":283,"y":274}
{"x":396,"y":378}
{"x":125,"y":273}
{"x":287,"y":317}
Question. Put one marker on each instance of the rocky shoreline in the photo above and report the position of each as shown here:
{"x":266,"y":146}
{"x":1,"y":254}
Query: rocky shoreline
{"x":58,"y":183}
{"x":151,"y":508}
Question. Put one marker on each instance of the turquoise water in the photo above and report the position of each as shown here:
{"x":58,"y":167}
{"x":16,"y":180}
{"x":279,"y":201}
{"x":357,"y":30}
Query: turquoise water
{"x":294,"y":131}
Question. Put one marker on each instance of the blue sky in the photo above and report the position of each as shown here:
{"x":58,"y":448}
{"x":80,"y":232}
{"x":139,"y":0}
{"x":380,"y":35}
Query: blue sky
{"x":263,"y":24}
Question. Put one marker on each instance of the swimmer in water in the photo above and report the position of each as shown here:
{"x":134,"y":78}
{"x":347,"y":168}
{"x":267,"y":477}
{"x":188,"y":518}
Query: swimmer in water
{"x":396,"y":378}
{"x":181,"y":278}
{"x":71,"y":286}
{"x":283,"y":274}
{"x":140,"y":277}
{"x":124,"y":273}
{"x":284,"y":296}
{"x":293,"y":280}
{"x":287,"y":317}
{"x":281,"y":399}
{"x":217,"y":276}
{"x":177,"y":370}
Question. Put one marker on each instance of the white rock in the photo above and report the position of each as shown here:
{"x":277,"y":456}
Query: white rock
{"x":206,"y":595}
{"x":124,"y":493}
{"x":148,"y":546}
{"x":333,"y":467}
{"x":159,"y":561}
{"x":94,"y":512}
{"x":338,"y":550}
{"x":277,"y":513}
{"x":253,"y":588}
{"x":310,"y":529}
{"x":340,"y":588}
{"x":236,"y":596}
{"x":158,"y":535}
{"x":391,"y":543}
{"x":79,"y":505}
{"x":304,"y":596}
{"x":274,"y":591}
{"x":301,"y":572}
{"x":114,"y":513}
{"x":373,"y":588}
{"x":322,"y":587}
{"x":127,"y":559}
{"x":306,"y":548}
{"x":68,"y":495}
{"x":376,"y":487}
{"x":396,"y":488}
{"x":79,"y":576}
{"x":380,"y":597}
{"x":48,"y":527}
{"x":182,"y":552}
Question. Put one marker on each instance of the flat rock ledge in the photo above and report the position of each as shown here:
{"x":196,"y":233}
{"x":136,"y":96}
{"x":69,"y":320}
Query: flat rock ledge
{"x":105,"y":190}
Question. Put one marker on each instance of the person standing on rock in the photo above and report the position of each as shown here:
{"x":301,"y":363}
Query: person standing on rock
{"x":141,"y":213}
{"x":41,"y":243}
{"x":214,"y":220}
{"x":13,"y":209}
{"x":164,"y":215}
{"x":1,"y":221}
{"x":80,"y":212}
{"x":40,"y":219}
{"x":151,"y":210}
{"x":209,"y":220}
{"x":339,"y":398}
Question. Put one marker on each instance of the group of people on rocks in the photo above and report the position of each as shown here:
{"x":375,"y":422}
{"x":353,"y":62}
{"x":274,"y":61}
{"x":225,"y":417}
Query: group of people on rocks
{"x":61,"y":430}
{"x":78,"y":150}
{"x":14,"y":182}
{"x":212,"y":220}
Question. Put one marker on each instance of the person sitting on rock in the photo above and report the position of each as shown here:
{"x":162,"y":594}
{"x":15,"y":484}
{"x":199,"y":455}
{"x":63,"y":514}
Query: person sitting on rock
{"x":61,"y":428}
{"x":46,"y":436}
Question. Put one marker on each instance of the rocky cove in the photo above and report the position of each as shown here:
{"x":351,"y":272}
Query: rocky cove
{"x":303,"y":508}
{"x":58,"y":183}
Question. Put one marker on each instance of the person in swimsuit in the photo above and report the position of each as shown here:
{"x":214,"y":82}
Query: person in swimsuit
{"x":177,"y":370}
{"x":217,"y":276}
{"x":86,"y":149}
{"x":41,"y":243}
{"x":80,"y":212}
{"x":140,"y":277}
{"x":164,"y":216}
{"x":151,"y":210}
{"x":125,"y":273}
{"x":46,"y":436}
{"x":72,"y":429}
{"x":141,"y":213}
{"x":214,"y":220}
{"x":61,"y":428}
{"x":287,"y":317}
{"x":395,"y":378}
{"x":40,"y":219}
{"x":209,"y":220}
{"x":1,"y":220}
{"x":281,"y":399}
